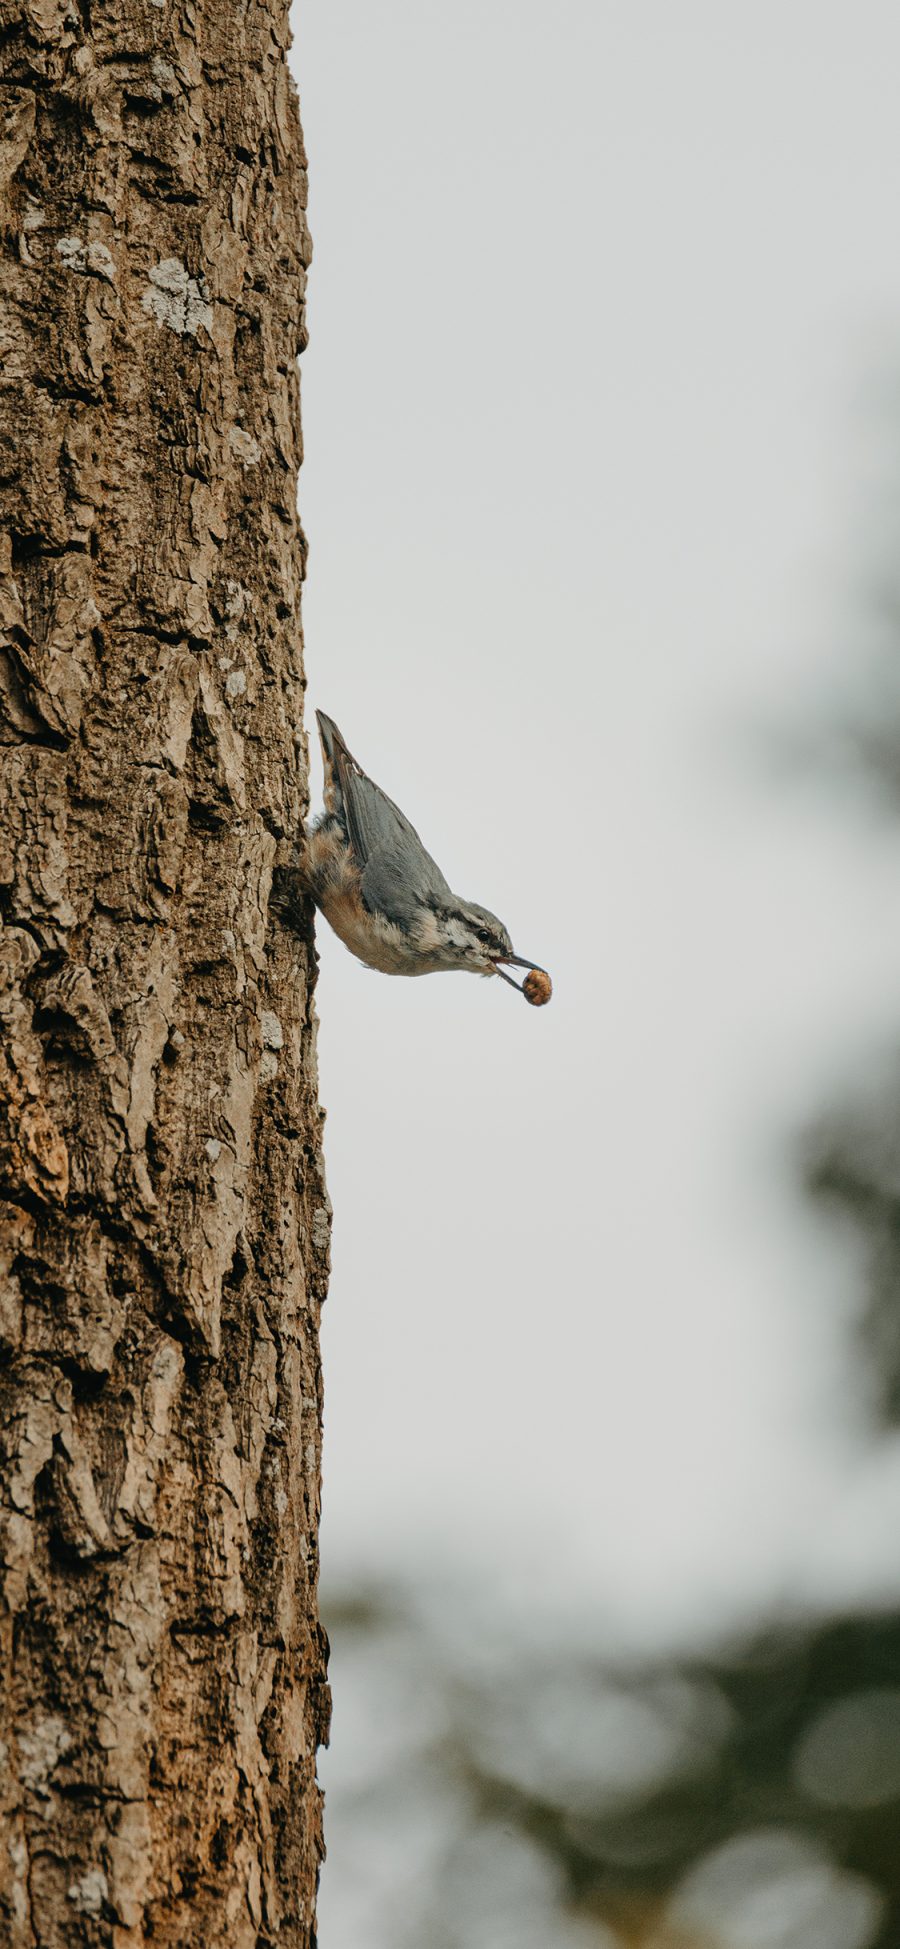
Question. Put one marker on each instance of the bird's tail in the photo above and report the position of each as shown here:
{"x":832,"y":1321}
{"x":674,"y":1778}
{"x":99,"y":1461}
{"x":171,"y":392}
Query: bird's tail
{"x":332,"y":742}
{"x":338,"y":761}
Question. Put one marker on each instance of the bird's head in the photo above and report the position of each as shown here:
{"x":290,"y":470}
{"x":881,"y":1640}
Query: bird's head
{"x":471,"y":937}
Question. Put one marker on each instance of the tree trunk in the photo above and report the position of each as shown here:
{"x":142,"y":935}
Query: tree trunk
{"x":163,"y":1217}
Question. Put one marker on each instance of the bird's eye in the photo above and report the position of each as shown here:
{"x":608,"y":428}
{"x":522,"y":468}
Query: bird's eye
{"x":484,"y":935}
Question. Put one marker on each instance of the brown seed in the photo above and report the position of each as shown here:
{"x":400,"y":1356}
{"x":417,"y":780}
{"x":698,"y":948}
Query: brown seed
{"x":537,"y":987}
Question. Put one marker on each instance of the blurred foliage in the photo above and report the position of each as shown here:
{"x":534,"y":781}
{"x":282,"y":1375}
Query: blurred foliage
{"x":749,"y":1800}
{"x":851,"y":1166}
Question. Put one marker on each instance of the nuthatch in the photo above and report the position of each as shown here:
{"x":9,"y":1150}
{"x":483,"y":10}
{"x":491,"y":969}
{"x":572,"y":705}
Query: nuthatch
{"x":367,"y":869}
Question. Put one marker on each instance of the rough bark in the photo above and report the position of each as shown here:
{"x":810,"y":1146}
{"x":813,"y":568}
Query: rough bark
{"x":163,"y":1217}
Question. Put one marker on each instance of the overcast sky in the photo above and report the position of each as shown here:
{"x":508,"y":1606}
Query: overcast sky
{"x":603,"y":302}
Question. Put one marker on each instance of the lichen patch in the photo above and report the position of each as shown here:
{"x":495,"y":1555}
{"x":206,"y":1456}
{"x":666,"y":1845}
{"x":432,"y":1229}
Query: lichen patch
{"x":176,"y":299}
{"x":243,"y":444}
{"x":90,"y":258}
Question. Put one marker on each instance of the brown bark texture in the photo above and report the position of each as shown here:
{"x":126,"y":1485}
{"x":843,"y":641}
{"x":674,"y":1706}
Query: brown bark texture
{"x":164,"y":1223}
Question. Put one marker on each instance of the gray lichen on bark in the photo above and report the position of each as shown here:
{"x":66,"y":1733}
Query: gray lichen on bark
{"x":163,"y":1215}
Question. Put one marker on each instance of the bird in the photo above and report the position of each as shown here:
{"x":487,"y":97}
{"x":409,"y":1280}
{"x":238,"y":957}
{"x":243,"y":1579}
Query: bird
{"x":368,"y":872}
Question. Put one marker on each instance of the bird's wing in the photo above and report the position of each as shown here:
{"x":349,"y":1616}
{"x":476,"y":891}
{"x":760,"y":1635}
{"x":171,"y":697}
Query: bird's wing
{"x":396,"y":872}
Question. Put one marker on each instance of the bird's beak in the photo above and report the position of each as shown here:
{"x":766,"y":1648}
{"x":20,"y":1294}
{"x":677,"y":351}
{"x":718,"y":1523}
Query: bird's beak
{"x":515,"y":961}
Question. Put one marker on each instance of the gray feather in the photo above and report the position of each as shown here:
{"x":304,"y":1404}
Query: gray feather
{"x":396,"y":873}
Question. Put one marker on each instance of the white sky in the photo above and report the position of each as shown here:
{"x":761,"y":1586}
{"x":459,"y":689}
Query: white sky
{"x":591,"y":430}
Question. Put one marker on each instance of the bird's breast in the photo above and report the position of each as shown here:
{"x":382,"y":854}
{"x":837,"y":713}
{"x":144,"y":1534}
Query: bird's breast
{"x":371,"y":937}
